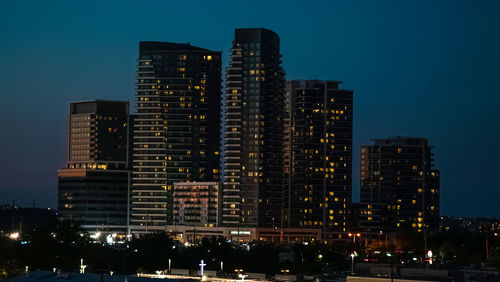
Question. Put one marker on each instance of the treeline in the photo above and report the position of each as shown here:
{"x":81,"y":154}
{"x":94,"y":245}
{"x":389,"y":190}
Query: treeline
{"x":63,"y":245}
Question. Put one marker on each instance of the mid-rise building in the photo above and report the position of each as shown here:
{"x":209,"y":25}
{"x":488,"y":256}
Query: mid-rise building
{"x":196,"y":203}
{"x":253,"y":131}
{"x":94,"y":186}
{"x":399,"y":173}
{"x":176,"y":127}
{"x":318,"y":155}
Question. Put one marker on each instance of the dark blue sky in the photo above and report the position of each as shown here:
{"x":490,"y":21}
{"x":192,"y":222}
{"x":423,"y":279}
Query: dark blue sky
{"x":421,"y":68}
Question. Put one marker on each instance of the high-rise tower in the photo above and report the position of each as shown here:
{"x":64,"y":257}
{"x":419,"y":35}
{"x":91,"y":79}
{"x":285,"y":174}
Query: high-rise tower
{"x":177,"y":126}
{"x":319,"y":155}
{"x":253,"y":131}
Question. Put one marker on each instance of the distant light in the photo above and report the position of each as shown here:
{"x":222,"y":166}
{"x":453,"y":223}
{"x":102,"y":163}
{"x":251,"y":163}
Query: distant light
{"x":95,"y":235}
{"x":320,"y":256}
{"x":186,"y":244}
{"x":204,"y":278}
{"x":415,"y":259}
{"x":109,"y":240}
{"x":14,"y":236}
{"x":388,"y":254}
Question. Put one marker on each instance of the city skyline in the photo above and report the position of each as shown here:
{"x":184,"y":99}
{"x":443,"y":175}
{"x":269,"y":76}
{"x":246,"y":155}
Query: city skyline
{"x":368,"y":123}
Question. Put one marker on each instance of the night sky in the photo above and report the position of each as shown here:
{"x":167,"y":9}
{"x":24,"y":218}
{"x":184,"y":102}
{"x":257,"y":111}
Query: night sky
{"x":419,"y":68}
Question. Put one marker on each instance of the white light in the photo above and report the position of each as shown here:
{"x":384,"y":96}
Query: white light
{"x":95,"y":235}
{"x":109,"y":240}
{"x":204,"y":278}
{"x":14,"y":235}
{"x":240,"y":232}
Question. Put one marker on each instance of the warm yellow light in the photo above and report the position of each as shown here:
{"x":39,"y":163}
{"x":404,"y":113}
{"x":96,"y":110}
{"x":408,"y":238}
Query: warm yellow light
{"x":14,"y":236}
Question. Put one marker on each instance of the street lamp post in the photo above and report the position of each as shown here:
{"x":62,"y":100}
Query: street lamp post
{"x":354,"y":235}
{"x":352,"y":264}
{"x":391,"y":262}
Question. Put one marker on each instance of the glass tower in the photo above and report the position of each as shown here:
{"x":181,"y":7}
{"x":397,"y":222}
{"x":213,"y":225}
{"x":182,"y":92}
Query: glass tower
{"x":176,"y":128}
{"x":319,"y":155}
{"x":253,"y":131}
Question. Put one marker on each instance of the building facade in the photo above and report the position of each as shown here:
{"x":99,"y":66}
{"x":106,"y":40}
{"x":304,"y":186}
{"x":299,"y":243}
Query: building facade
{"x":176,"y":127}
{"x":196,"y":203}
{"x":399,"y":173}
{"x":368,"y":218}
{"x":93,"y":188}
{"x":318,"y":155}
{"x":253,"y":131}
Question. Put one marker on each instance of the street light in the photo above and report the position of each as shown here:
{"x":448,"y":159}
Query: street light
{"x":354,"y":235}
{"x":242,"y":276}
{"x":352,"y":264}
{"x":285,"y":271}
{"x":390,"y":256}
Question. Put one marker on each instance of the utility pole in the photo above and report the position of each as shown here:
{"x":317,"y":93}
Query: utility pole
{"x":487,"y":247}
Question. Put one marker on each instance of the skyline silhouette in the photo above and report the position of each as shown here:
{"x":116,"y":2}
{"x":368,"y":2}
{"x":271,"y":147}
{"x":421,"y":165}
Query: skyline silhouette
{"x":424,"y":69}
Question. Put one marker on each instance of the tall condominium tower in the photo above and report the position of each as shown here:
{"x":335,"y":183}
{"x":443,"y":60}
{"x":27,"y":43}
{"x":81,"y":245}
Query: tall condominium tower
{"x":94,"y":186}
{"x":398,"y":172}
{"x":319,"y":155}
{"x":253,"y":131}
{"x":177,"y":126}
